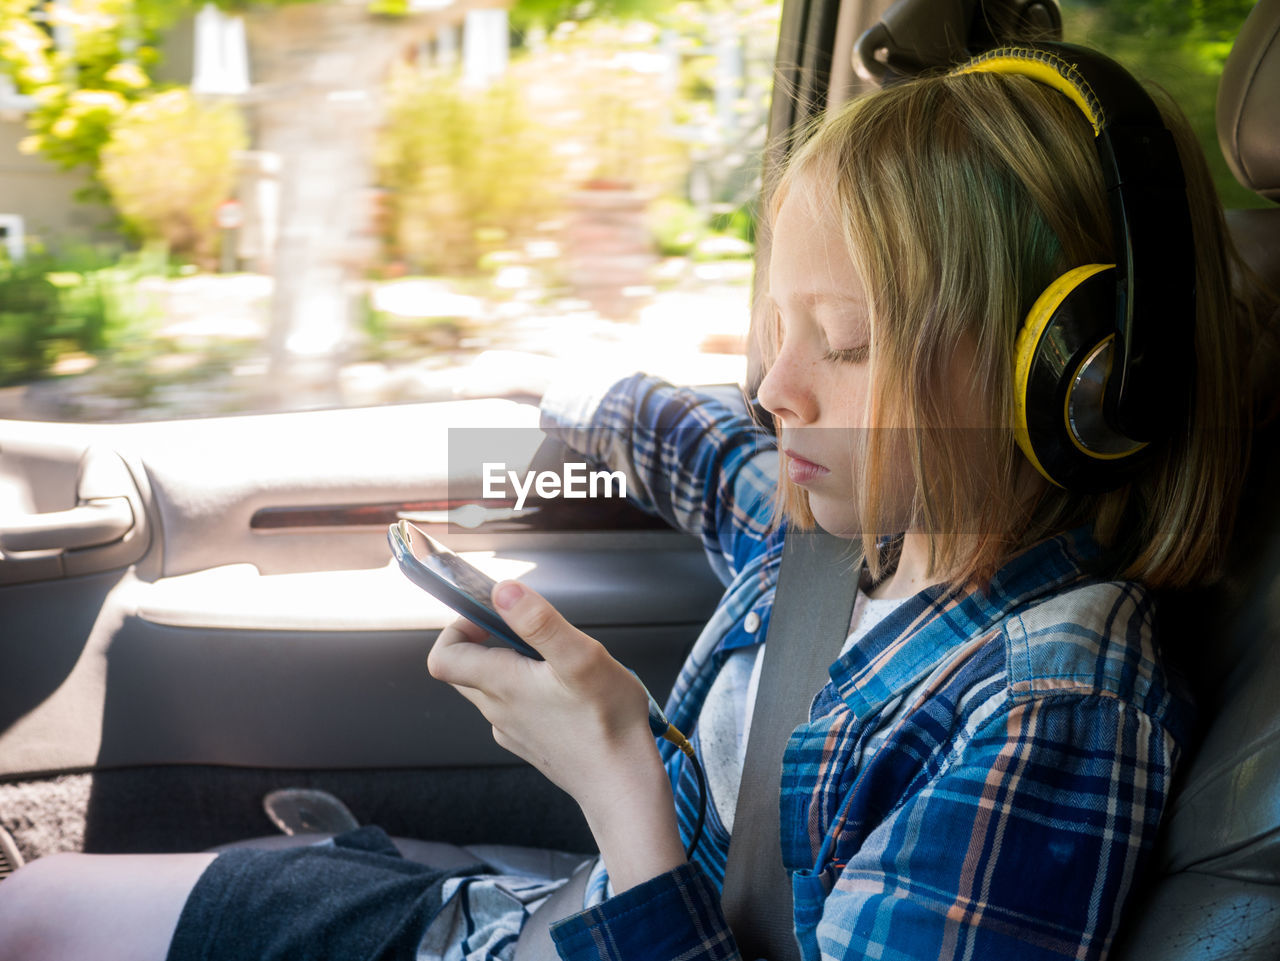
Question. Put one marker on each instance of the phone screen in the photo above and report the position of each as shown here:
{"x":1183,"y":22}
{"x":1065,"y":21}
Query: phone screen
{"x":441,"y":572}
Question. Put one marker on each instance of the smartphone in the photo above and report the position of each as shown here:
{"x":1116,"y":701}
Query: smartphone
{"x":441,"y":572}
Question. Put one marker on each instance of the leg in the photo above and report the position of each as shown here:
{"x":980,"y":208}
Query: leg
{"x":121,"y":907}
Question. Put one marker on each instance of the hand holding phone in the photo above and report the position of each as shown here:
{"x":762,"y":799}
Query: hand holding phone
{"x":463,"y":586}
{"x":469,"y":591}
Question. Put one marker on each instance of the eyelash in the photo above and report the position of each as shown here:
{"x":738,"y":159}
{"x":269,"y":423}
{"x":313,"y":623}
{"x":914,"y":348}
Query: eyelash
{"x":853,"y":355}
{"x":849,"y":355}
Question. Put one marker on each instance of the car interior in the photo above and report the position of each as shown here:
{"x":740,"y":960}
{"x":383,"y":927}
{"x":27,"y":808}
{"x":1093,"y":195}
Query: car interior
{"x":194,"y":614}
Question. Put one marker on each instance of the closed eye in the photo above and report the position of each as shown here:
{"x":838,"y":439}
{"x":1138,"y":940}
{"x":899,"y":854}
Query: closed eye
{"x":851,"y":355}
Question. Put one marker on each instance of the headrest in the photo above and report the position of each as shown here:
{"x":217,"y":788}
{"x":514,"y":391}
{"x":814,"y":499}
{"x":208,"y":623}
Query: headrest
{"x":1248,"y":121}
{"x":916,"y":35}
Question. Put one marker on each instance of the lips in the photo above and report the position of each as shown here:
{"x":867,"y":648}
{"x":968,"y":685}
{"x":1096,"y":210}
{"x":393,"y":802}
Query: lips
{"x":801,"y":471}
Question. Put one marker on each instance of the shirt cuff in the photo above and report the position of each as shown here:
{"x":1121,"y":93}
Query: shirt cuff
{"x":573,"y":403}
{"x":675,"y":915}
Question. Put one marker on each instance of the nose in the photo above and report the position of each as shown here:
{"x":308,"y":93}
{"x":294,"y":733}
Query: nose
{"x":786,"y":389}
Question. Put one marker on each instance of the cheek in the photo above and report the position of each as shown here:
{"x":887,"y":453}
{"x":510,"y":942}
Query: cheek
{"x":850,"y":405}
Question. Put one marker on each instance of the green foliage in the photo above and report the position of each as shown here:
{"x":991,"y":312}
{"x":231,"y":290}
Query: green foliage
{"x":55,"y":305}
{"x":549,"y":13}
{"x":168,"y":165}
{"x":604,"y":95}
{"x":28,"y":325}
{"x":728,"y":133}
{"x":232,"y":6}
{"x":83,"y":89}
{"x":677,"y":226}
{"x":465,"y":170}
{"x":389,"y":8}
{"x":740,"y":222}
{"x":680,"y":230}
{"x":1193,"y":21}
{"x":1179,"y":45}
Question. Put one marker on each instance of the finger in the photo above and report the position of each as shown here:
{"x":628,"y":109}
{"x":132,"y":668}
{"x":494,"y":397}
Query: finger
{"x":491,"y":710}
{"x":532,"y":617}
{"x":472,"y":631}
{"x":457,"y":657}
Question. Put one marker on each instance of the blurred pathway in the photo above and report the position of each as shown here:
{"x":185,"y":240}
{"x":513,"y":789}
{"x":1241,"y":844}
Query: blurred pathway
{"x":209,"y":355}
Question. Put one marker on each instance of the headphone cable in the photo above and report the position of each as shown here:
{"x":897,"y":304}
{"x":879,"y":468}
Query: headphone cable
{"x":673,"y":735}
{"x":664,"y":729}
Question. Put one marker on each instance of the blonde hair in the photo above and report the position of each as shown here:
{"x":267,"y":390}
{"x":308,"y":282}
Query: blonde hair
{"x":962,"y":197}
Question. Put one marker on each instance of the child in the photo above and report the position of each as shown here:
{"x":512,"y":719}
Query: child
{"x":986,"y":772}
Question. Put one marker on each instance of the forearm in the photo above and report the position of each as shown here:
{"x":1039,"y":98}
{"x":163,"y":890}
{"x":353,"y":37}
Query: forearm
{"x":675,"y":447}
{"x":633,"y":820}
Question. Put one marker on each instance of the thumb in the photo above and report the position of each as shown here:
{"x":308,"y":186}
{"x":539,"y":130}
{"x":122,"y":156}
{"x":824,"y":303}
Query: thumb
{"x":531,"y":616}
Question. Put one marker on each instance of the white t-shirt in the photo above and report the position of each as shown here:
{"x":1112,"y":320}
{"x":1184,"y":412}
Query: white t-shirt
{"x":726,"y":715}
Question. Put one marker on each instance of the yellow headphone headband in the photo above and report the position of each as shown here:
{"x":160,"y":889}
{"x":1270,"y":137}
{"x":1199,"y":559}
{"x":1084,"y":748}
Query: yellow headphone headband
{"x":1047,"y":68}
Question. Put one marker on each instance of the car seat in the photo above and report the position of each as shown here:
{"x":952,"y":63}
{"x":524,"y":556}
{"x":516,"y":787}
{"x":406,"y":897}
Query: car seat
{"x":1216,"y":889}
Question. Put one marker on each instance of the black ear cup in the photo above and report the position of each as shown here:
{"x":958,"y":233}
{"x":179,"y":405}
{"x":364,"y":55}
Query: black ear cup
{"x":1062,"y":359}
{"x":1103,"y":340}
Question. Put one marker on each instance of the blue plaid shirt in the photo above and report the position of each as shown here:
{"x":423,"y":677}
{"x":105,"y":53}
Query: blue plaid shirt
{"x":1010,"y":807}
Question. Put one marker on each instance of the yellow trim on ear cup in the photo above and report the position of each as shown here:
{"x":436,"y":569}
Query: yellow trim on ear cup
{"x":1028,"y":342}
{"x":1048,"y":72}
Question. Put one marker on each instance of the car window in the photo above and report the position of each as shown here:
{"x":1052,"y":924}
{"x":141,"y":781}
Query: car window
{"x":1178,"y":46}
{"x":218,"y":209}
{"x":212,"y":210}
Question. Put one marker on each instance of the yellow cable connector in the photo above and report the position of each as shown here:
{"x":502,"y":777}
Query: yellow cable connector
{"x":673,"y":735}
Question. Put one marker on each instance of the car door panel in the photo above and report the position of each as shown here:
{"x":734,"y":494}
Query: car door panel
{"x":212,"y":642}
{"x":120,"y":686}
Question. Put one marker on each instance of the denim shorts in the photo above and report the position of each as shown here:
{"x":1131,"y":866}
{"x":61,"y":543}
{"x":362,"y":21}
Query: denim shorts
{"x":350,"y":900}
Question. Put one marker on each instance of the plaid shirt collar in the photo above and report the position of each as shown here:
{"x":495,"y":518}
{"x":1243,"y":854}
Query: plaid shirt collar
{"x":898,"y":652}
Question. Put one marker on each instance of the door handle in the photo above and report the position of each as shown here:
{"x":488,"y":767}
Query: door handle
{"x":107,"y":529}
{"x":92,"y":524}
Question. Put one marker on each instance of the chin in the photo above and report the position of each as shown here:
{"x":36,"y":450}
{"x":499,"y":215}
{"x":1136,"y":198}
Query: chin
{"x":839,"y":520}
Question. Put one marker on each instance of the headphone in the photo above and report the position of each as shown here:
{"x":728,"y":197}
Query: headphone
{"x":1105,"y":360}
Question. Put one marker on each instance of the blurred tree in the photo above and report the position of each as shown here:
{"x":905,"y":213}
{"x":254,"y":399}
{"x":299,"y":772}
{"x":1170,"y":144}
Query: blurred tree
{"x":1194,"y":21}
{"x":27,"y":303}
{"x":464,"y":169}
{"x":548,"y":13}
{"x":85,"y":62}
{"x":83,"y":65}
{"x":1181,"y":46}
{"x":169,"y":163}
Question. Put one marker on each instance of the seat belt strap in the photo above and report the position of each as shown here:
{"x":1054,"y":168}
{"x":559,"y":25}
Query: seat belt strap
{"x":812,"y":607}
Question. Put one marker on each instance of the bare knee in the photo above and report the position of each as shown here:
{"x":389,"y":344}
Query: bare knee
{"x":82,"y":905}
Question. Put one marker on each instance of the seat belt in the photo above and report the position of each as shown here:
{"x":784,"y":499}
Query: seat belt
{"x":812,"y":607}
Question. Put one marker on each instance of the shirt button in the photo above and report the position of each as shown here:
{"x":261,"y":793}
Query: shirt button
{"x":752,"y":623}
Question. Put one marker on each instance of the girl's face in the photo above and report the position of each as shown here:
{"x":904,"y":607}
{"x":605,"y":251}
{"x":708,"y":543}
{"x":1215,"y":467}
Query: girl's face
{"x":817,"y":387}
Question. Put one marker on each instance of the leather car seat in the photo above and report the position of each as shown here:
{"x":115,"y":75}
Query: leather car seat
{"x":1215,"y":893}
